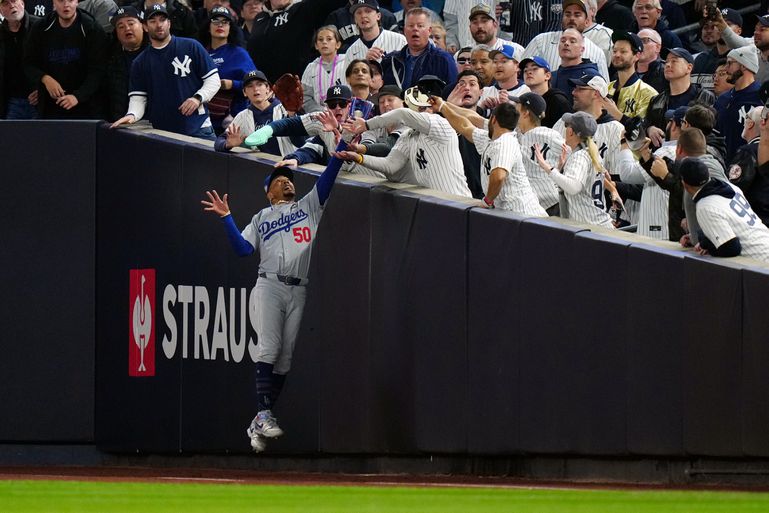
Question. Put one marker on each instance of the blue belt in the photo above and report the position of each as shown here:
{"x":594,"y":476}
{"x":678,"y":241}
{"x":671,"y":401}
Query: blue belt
{"x":288,"y":280}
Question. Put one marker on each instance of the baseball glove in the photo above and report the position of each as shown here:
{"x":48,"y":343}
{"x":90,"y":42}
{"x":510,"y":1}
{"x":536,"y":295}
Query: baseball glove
{"x":288,"y":89}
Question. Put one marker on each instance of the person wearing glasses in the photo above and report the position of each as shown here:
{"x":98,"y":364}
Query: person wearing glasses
{"x":648,"y":14}
{"x":714,"y":47}
{"x":464,"y":60}
{"x":720,"y":84}
{"x":650,"y":67}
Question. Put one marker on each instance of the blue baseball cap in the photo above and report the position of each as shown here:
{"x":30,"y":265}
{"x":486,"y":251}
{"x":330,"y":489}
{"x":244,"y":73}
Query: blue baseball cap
{"x":683,"y":53}
{"x":508,"y":51}
{"x":676,"y":115}
{"x":278,"y":171}
{"x":539,"y":61}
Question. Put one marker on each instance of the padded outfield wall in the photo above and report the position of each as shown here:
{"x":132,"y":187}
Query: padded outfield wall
{"x":431,"y":326}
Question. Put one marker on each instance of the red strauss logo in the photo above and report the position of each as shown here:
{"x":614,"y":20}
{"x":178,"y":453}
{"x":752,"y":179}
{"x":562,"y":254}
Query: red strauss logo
{"x":141,"y":314}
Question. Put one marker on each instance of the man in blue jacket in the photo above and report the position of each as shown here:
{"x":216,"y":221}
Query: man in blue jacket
{"x":419,"y":57}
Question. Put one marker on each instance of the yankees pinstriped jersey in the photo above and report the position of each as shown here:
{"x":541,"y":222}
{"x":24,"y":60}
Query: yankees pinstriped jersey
{"x":245,"y":121}
{"x":721,"y":219}
{"x":583,"y":190}
{"x":388,"y":41}
{"x":431,"y":147}
{"x":601,"y":36}
{"x":546,"y":45}
{"x":550,"y":144}
{"x":607,"y":138}
{"x":504,"y":152}
{"x":493,"y":91}
{"x":461,"y":10}
{"x":318,"y":77}
{"x":653,"y":208}
{"x":531,"y":17}
{"x":284,"y":235}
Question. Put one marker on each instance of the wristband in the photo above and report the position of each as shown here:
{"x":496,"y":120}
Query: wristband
{"x":489,"y":202}
{"x":365,"y":123}
{"x":361,"y":158}
{"x":441,"y":107}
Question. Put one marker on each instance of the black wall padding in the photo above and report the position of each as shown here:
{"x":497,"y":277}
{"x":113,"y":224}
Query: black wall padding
{"x":712,"y":355}
{"x":47,"y":261}
{"x":755,"y":363}
{"x":654,"y":333}
{"x":495,"y":304}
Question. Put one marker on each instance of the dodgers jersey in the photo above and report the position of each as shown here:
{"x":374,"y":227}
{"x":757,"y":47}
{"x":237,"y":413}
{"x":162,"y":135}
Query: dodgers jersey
{"x":551,"y":145}
{"x":722,"y":219}
{"x":505,"y":153}
{"x":284,"y":235}
{"x":167,"y":77}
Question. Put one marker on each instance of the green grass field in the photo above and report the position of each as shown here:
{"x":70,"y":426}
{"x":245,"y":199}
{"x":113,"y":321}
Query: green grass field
{"x":109,"y":497}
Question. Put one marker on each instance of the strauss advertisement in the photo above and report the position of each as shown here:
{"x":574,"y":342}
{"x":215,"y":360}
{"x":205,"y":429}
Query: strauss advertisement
{"x":199,"y":324}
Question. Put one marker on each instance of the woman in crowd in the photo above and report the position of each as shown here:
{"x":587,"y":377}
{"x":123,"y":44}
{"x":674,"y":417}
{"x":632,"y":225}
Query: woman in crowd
{"x":221,"y":39}
{"x":325,"y":71}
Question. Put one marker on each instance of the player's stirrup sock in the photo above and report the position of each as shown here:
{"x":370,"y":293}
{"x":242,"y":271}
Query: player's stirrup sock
{"x":277,"y":386}
{"x":264,"y":386}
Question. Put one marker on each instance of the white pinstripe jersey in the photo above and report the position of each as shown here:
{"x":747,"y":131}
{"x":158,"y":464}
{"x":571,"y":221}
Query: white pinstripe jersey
{"x":505,"y":152}
{"x":546,"y":46}
{"x":550,"y":143}
{"x":493,"y":91}
{"x":388,"y":41}
{"x":653,"y":208}
{"x":601,"y":36}
{"x":310,"y":78}
{"x":245,"y":121}
{"x":721,"y":219}
{"x":587,"y":205}
{"x":461,"y":9}
{"x":607,"y":138}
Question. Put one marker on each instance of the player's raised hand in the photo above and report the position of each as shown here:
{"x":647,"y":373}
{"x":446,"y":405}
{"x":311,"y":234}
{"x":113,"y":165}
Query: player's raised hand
{"x":217,"y":205}
{"x":436,"y":102}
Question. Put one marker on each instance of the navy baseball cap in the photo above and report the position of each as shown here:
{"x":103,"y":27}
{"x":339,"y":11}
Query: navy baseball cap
{"x":254,"y":75}
{"x":732,"y":16}
{"x":635,"y":42}
{"x":676,"y":115}
{"x":128,"y":11}
{"x":389,"y":90}
{"x":694,"y":172}
{"x":763,"y":20}
{"x":683,"y":53}
{"x":539,"y":61}
{"x":220,"y":12}
{"x":372,"y":4}
{"x":278,"y":171}
{"x":533,"y":102}
{"x":149,"y":12}
{"x":339,"y":92}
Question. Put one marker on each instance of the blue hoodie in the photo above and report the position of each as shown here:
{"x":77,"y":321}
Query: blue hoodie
{"x":560,"y":78}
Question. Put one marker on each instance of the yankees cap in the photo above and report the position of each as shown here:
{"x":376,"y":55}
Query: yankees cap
{"x":763,"y":20}
{"x":220,"y":12}
{"x":533,"y":102}
{"x":539,"y":61}
{"x":694,"y":172}
{"x":747,"y":56}
{"x":339,"y":92}
{"x":581,"y":122}
{"x":732,"y":16}
{"x":683,"y":53}
{"x":635,"y":42}
{"x":149,"y":12}
{"x":278,"y":171}
{"x":254,"y":75}
{"x":596,"y":82}
{"x":128,"y":11}
{"x":371,"y":4}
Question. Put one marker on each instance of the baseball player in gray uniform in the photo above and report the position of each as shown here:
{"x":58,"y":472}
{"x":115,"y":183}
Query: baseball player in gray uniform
{"x":729,"y":225}
{"x":582,"y":176}
{"x":503,"y":177}
{"x":283,"y":234}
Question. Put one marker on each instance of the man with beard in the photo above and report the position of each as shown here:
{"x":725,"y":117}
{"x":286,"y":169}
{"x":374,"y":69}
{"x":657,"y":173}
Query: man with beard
{"x":172,"y":80}
{"x":64,"y":58}
{"x":484,"y":27}
{"x":466,"y":94}
{"x":629,"y":96}
{"x":17,"y":97}
{"x":715,"y":49}
{"x":760,"y":42}
{"x":536,"y":76}
{"x":548,"y":45}
{"x":733,"y":105}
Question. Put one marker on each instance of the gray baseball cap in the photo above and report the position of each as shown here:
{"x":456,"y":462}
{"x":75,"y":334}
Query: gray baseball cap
{"x":582,"y":123}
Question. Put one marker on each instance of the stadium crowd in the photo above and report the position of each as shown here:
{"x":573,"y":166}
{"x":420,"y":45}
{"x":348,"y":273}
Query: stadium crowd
{"x":593,"y":110}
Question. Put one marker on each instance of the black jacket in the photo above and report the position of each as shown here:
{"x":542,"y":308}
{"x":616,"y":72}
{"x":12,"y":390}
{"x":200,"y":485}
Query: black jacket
{"x":89,"y":79}
{"x":116,"y":83}
{"x":655,"y":75}
{"x":182,"y":18}
{"x":745,"y":173}
{"x":614,"y":15}
{"x":5,"y":35}
{"x":655,"y":114}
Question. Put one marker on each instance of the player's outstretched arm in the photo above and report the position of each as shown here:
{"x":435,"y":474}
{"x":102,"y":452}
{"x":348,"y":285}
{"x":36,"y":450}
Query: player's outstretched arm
{"x":414,"y":120}
{"x":458,"y":122}
{"x":221,"y":207}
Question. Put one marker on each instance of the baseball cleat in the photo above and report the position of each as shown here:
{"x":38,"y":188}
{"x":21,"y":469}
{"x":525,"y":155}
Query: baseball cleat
{"x":264,"y":424}
{"x":258,"y":443}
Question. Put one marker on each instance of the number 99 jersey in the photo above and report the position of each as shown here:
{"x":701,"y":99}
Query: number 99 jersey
{"x":284,"y":234}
